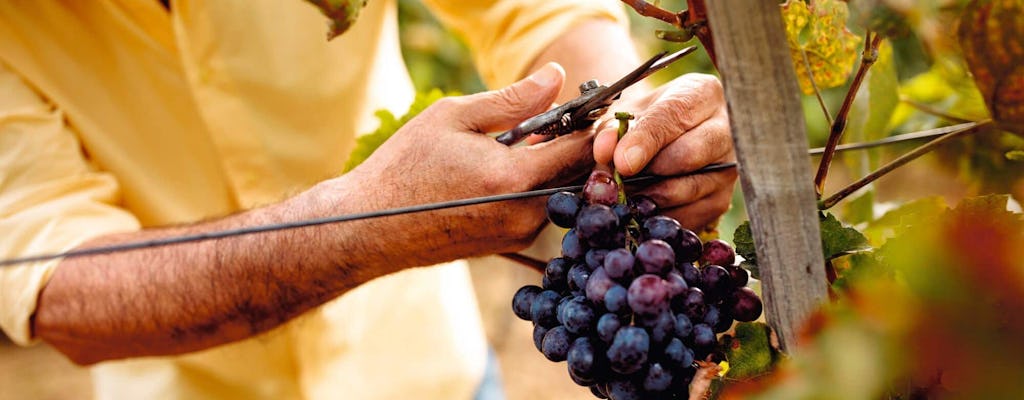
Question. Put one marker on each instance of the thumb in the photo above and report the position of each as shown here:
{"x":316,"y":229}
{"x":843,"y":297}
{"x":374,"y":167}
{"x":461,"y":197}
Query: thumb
{"x":502,"y":109}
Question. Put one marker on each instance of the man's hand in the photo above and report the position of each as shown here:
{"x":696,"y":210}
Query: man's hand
{"x":680,"y":127}
{"x":175,"y":299}
{"x":443,"y":155}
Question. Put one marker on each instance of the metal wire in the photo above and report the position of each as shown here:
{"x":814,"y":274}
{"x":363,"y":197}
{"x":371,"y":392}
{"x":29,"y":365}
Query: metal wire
{"x":896,"y":138}
{"x":144,"y":244}
{"x":426,"y":207}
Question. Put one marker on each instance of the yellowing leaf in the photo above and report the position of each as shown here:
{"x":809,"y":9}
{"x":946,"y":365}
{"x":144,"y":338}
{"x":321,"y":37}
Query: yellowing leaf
{"x":819,"y":32}
{"x":992,"y":37}
{"x":749,"y":351}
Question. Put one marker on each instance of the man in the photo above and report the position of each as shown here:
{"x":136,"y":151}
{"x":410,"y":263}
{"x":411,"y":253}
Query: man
{"x":125,"y":120}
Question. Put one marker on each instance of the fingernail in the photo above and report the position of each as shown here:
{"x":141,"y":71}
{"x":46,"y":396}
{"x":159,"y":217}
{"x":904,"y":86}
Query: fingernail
{"x":635,"y":156}
{"x":548,"y":75}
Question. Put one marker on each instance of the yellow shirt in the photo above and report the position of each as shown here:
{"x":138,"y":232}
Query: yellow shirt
{"x":117,"y":115}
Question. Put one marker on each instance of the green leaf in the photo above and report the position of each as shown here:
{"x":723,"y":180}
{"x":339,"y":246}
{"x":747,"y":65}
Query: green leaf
{"x":744,"y":240}
{"x":755,"y":271}
{"x":819,"y":31}
{"x":894,"y":221}
{"x":857,"y":267}
{"x":860,"y":208}
{"x":749,"y":351}
{"x":1015,"y":155}
{"x":367,"y":144}
{"x":837,"y":239}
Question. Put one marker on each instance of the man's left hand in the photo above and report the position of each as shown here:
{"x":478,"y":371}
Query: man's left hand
{"x":680,"y":126}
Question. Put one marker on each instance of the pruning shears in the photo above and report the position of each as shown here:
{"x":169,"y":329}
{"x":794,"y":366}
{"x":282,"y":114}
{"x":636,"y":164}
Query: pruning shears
{"x":591,"y":104}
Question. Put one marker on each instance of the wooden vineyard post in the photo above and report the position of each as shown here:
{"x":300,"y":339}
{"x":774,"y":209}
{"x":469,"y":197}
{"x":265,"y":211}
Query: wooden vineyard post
{"x":771,"y":144}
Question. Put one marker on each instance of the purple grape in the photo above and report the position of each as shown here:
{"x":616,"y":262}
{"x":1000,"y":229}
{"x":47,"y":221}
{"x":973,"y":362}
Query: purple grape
{"x":598,"y":391}
{"x":715,"y":282}
{"x":579,"y":317}
{"x":623,"y":212}
{"x":538,"y":336}
{"x":684,"y":242}
{"x":624,"y":389}
{"x":619,"y":264}
{"x":607,"y":326}
{"x":739,"y":276}
{"x":616,"y":300}
{"x":683,"y":327}
{"x":711,"y":317}
{"x":703,"y":336}
{"x":677,"y":355}
{"x":746,"y":306}
{"x":562,"y":208}
{"x":557,"y":272}
{"x":523,"y":299}
{"x":690,"y":248}
{"x":597,"y":224}
{"x":628,"y":351}
{"x":643,"y":206}
{"x":578,"y":276}
{"x":718,"y":252}
{"x":585,"y":382}
{"x":663,"y":228}
{"x":656,"y":257}
{"x":676,"y":284}
{"x":595,"y":258}
{"x":692,"y":304}
{"x":598,"y":285}
{"x":725,"y":321}
{"x":661,"y":328}
{"x":601,"y":189}
{"x":555,"y":345}
{"x":572,"y":246}
{"x":690,"y":273}
{"x":560,"y":309}
{"x":543,"y":309}
{"x":648,"y":295}
{"x":658,"y":378}
{"x":584,"y":360}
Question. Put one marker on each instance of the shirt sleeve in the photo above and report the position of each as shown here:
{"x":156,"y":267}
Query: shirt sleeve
{"x":51,"y":198}
{"x":507,"y":35}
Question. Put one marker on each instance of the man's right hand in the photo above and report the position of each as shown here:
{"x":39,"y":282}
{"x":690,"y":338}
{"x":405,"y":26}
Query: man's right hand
{"x":442,"y":154}
{"x":176,"y":299}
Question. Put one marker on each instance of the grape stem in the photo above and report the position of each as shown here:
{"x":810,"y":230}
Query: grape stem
{"x":623,"y":118}
{"x":868,"y":58}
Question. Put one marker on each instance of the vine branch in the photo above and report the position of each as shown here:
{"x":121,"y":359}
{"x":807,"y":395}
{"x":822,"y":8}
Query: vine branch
{"x":892,"y":165}
{"x":694,"y":20}
{"x":652,"y":11}
{"x":814,"y":85}
{"x":868,"y":58}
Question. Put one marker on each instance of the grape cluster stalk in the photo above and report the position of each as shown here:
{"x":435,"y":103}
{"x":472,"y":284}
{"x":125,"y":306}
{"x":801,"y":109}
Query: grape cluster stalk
{"x":635,"y":299}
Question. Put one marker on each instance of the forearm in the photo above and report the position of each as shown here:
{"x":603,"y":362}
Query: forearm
{"x":187,"y":297}
{"x":597,"y":49}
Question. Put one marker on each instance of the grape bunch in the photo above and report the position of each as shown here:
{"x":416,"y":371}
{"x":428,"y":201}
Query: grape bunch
{"x":635,"y":298}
